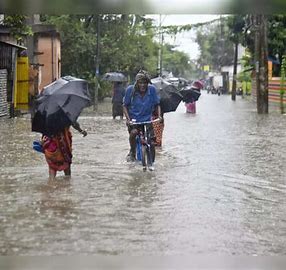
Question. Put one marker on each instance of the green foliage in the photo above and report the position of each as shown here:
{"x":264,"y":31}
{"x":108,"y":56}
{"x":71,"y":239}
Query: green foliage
{"x":276,"y":35}
{"x":245,"y":74}
{"x":18,"y":28}
{"x":126,"y":44}
{"x":77,"y":45}
{"x":236,"y":26}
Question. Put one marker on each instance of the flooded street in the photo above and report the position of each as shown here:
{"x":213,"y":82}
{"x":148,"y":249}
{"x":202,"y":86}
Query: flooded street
{"x":219,"y":187}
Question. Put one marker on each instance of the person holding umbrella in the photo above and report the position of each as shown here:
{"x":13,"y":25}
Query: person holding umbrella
{"x":119,"y":80}
{"x":139,"y":102}
{"x":170,"y":99}
{"x":117,"y":99}
{"x":191,"y":104}
{"x":57,"y":108}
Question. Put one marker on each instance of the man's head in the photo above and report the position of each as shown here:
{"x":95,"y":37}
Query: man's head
{"x":142,"y":74}
{"x":142,"y":79}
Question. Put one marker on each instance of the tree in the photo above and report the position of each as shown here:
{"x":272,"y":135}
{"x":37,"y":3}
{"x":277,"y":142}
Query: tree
{"x":261,"y":62}
{"x":126,"y":44}
{"x":177,"y":62}
{"x":277,"y":39}
{"x":215,"y":47}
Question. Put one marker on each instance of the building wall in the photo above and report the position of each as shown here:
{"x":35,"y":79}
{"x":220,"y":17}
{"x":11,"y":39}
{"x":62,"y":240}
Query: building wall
{"x":49,"y":57}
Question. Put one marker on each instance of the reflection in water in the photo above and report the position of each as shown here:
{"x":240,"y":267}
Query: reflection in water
{"x":218,"y":187}
{"x":56,"y":198}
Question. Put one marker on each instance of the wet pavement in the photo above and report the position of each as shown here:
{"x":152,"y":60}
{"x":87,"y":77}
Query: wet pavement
{"x":218,"y":187}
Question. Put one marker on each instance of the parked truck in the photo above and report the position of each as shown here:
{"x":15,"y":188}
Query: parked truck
{"x":217,"y":84}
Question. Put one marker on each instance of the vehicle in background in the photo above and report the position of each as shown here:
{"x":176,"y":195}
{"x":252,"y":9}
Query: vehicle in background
{"x":179,"y":82}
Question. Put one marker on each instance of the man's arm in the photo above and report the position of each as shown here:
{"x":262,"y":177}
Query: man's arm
{"x":126,"y":114}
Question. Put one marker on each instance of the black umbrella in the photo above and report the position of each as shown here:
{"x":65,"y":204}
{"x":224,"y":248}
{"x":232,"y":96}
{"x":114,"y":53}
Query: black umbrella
{"x":170,"y":97}
{"x":190,"y":94}
{"x":114,"y":77}
{"x":59,"y":105}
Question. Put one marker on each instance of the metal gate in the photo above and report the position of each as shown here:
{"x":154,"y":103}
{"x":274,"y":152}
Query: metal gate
{"x":3,"y":92}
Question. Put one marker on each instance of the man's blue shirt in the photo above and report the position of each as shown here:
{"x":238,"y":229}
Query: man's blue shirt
{"x":141,"y":108}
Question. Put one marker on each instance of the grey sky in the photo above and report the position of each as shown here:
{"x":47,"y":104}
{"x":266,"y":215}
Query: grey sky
{"x":184,"y":41}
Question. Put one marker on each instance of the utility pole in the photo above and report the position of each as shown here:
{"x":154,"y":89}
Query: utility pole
{"x":233,"y":90}
{"x":97,"y":60}
{"x":161,"y":57}
{"x":159,"y":68}
{"x":261,"y":63}
{"x":160,"y":51}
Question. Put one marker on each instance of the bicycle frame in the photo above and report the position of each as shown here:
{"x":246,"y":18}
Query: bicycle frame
{"x":145,"y":150}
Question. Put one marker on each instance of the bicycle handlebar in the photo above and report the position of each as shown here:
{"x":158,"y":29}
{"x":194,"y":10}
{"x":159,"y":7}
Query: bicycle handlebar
{"x":145,"y":122}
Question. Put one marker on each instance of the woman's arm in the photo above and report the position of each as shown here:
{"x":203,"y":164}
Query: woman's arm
{"x":159,"y":113}
{"x":76,"y":126}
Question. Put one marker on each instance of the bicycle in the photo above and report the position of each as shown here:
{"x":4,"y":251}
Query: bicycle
{"x":145,"y":148}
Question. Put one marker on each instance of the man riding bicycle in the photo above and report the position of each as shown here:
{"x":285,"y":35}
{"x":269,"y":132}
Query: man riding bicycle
{"x":139,"y":102}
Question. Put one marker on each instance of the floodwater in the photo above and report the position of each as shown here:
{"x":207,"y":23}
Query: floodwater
{"x":218,"y":187}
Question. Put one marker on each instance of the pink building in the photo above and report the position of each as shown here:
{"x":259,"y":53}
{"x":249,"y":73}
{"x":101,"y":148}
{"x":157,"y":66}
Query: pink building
{"x":44,"y":51}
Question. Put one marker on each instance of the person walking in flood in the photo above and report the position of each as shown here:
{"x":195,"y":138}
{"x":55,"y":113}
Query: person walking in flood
{"x":58,"y":150}
{"x":158,"y":127}
{"x":117,"y":99}
{"x":139,"y":102}
{"x":58,"y":107}
{"x":191,"y":105}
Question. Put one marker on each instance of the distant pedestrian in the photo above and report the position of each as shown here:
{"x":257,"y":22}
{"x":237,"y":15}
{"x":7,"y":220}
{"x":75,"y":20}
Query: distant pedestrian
{"x":117,"y":99}
{"x":191,"y":106}
{"x":158,"y":127}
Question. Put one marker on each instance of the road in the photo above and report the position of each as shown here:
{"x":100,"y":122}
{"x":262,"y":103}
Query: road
{"x":218,"y":187}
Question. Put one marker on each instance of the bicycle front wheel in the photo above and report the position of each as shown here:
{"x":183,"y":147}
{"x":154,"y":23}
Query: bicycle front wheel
{"x":152,"y":152}
{"x":144,"y":156}
{"x":149,"y":156}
